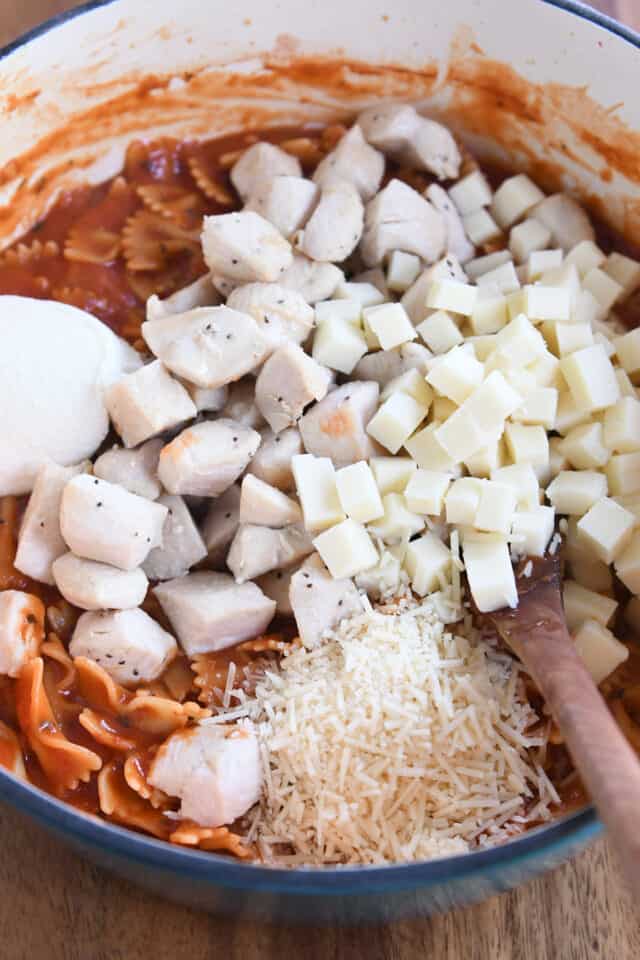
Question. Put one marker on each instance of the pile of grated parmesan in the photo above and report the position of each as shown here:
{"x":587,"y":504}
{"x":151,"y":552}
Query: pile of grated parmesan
{"x":395,"y":740}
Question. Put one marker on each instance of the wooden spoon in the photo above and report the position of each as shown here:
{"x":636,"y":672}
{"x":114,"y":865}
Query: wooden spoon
{"x":537,"y":633}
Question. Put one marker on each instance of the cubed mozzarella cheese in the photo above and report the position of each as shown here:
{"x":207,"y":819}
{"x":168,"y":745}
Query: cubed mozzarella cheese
{"x":523,"y":480}
{"x":480,"y":227}
{"x":398,"y":523}
{"x":456,"y":374}
{"x":396,"y":420}
{"x":358,"y":492}
{"x":440,"y":332}
{"x":628,"y":564}
{"x":315,"y":479}
{"x":531,"y":531}
{"x":390,"y":324}
{"x":574,"y":492}
{"x":460,"y":436}
{"x":584,"y":448}
{"x":462,"y":500}
{"x":604,"y":288}
{"x":489,"y":313}
{"x":628,"y":351}
{"x":607,"y":528}
{"x":623,"y":473}
{"x":426,"y":490}
{"x":411,"y":382}
{"x":402,"y":270}
{"x":541,"y":262}
{"x":514,"y":198}
{"x":625,"y":271}
{"x":338,"y":344}
{"x":392,"y":474}
{"x":452,"y":295}
{"x":427,"y":451}
{"x":485,"y":264}
{"x":586,"y":256}
{"x":527,"y":237}
{"x":581,"y":604}
{"x":471,"y":192}
{"x":599,"y":650}
{"x":496,"y":507}
{"x":528,"y":445}
{"x":427,"y":561}
{"x":346,"y":549}
{"x":548,"y":303}
{"x":622,"y":426}
{"x":591,"y":378}
{"x":490,"y":574}
{"x":539,"y":407}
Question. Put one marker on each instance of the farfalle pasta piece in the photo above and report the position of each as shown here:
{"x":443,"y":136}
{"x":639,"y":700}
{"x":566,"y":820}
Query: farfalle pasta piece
{"x":208,"y":178}
{"x":96,"y":687}
{"x":174,"y":202}
{"x":96,"y":236}
{"x":215,"y":683}
{"x":270,"y":642}
{"x":306,"y":149}
{"x":54,"y":649}
{"x":11,"y":752}
{"x":180,"y":272}
{"x":106,"y":732}
{"x":150,"y":241}
{"x":219,"y":839}
{"x":158,"y":161}
{"x":64,"y":763}
{"x":24,"y":254}
{"x":135,"y":775}
{"x":123,"y":805}
{"x":160,"y":716}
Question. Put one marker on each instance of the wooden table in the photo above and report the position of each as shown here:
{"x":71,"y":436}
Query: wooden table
{"x":53,"y":906}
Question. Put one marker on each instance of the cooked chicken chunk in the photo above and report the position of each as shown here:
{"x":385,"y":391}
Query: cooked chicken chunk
{"x":282,"y":315}
{"x":182,"y":546}
{"x":403,"y":134}
{"x":205,"y":459}
{"x":415,"y":299}
{"x":568,"y":222}
{"x":209,"y":347}
{"x":261,"y":163}
{"x":130,"y":646}
{"x":241,"y":406}
{"x":398,"y":218}
{"x":200,"y":293}
{"x":272,"y":462}
{"x":214,"y":770}
{"x":104,"y":522}
{"x":256,"y":550}
{"x":266,"y":506}
{"x":312,"y":280}
{"x":244,"y":247}
{"x":275,"y":585}
{"x":288,"y":381}
{"x":336,"y":426}
{"x":210,"y":611}
{"x":220,"y":525}
{"x":335,"y":227}
{"x":21,"y":630}
{"x":98,"y":586}
{"x":146,"y":403}
{"x":286,"y":202}
{"x":354,"y":160}
{"x":319,"y":602}
{"x":135,"y":470}
{"x":385,"y":365}
{"x":458,"y":242}
{"x":40,"y":540}
{"x":209,"y":400}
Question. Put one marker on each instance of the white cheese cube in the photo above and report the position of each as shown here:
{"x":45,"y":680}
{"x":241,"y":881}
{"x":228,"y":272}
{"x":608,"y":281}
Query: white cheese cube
{"x":338,"y":344}
{"x":502,"y":279}
{"x":523,"y":480}
{"x":427,"y":451}
{"x":628,"y":564}
{"x":600,"y":337}
{"x":392,"y":474}
{"x":546,"y":370}
{"x":586,"y":256}
{"x":358,"y":492}
{"x":582,"y":604}
{"x":496,"y":507}
{"x":631,"y":502}
{"x":539,"y":407}
{"x":402,"y":270}
{"x":347,"y":310}
{"x":427,"y":561}
{"x":490,"y":574}
{"x":516,"y":303}
{"x":452,"y":295}
{"x":456,"y":374}
{"x":604,"y":288}
{"x":527,"y":237}
{"x":412,"y":383}
{"x":440,"y":332}
{"x":566,"y":338}
{"x":490,"y":261}
{"x":528,"y":445}
{"x":390,"y":324}
{"x":531,"y":531}
{"x":315,"y":480}
{"x":627,"y":389}
{"x":541,"y":262}
{"x":584,"y":447}
{"x":484,"y":461}
{"x":625,"y":271}
{"x":491,"y":404}
{"x":460,"y":435}
{"x":599,"y":650}
{"x":518,"y":344}
{"x":365,"y":294}
{"x":346,"y":549}
{"x":582,"y":564}
{"x":607,"y":528}
{"x":425,"y":491}
{"x":548,"y":303}
{"x":622,"y":426}
{"x":480,"y":227}
{"x":585,"y":308}
{"x":462,"y":500}
{"x":557,"y":460}
{"x":591,"y":378}
{"x":514,"y":199}
{"x":628,"y":351}
{"x":489,"y":313}
{"x":471,"y":193}
{"x":396,"y":420}
{"x":483,"y":345}
{"x":574,"y":492}
{"x":147,"y":402}
{"x":623,"y":473}
{"x":398,"y":523}
{"x":569,"y":414}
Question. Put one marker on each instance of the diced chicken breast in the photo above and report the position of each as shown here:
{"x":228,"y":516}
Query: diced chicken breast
{"x":147,"y":402}
{"x":281,"y":314}
{"x":209,"y":400}
{"x":335,"y":227}
{"x":261,"y":163}
{"x":398,"y":218}
{"x":128,"y":644}
{"x":200,"y":293}
{"x":384,"y":365}
{"x":266,"y":506}
{"x":220,"y":525}
{"x":275,"y":585}
{"x":319,"y":602}
{"x":135,"y":470}
{"x":210,"y":611}
{"x":182,"y":546}
{"x":567,"y":220}
{"x":209,"y":347}
{"x":256,"y":550}
{"x":400,"y":132}
{"x":286,"y":202}
{"x":289,"y":380}
{"x":244,"y":247}
{"x":272,"y":462}
{"x":98,"y":586}
{"x":205,"y":459}
{"x":40,"y":540}
{"x":214,"y":770}
{"x":241,"y":405}
{"x":104,"y":522}
{"x":336,"y":426}
{"x":311,"y":279}
{"x":458,"y":242}
{"x":354,"y":160}
{"x":415,"y":299}
{"x":21,"y":630}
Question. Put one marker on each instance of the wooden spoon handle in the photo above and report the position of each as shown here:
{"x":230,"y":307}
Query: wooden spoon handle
{"x":607,"y":764}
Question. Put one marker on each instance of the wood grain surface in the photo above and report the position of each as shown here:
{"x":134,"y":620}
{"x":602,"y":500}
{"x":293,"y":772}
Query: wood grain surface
{"x":53,"y":906}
